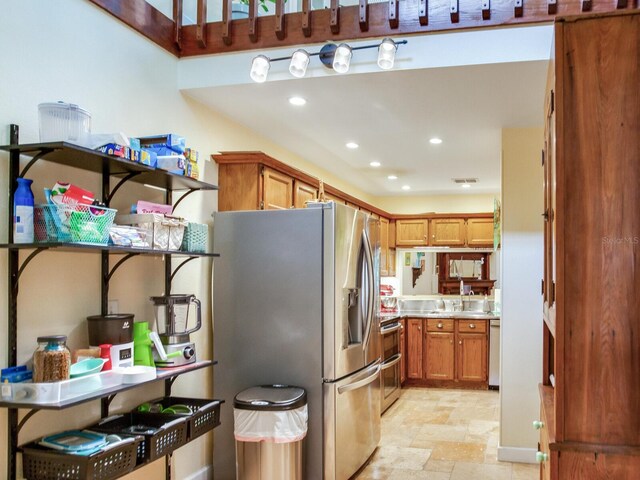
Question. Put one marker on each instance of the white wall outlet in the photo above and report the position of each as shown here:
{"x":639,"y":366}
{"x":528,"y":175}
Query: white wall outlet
{"x":112,"y":306}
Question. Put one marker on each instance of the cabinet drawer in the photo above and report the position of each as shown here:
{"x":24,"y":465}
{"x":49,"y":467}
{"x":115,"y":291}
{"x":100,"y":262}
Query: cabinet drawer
{"x":439,"y":325}
{"x":472,"y":326}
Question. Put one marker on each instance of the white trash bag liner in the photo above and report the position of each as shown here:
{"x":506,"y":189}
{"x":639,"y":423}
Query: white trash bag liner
{"x":277,"y":426}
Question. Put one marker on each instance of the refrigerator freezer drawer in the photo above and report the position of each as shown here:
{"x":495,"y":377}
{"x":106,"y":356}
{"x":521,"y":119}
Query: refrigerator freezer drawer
{"x":351,"y":422}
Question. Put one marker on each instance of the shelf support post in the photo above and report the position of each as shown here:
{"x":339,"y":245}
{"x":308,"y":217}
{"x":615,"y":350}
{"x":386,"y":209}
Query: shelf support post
{"x":12,"y":330}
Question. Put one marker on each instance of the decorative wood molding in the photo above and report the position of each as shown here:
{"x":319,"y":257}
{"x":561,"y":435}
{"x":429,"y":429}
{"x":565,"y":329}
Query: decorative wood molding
{"x":280,"y":29}
{"x":177,"y":20}
{"x":306,"y":18}
{"x":253,"y":20}
{"x":334,"y":21}
{"x":201,"y":26}
{"x":364,"y":15}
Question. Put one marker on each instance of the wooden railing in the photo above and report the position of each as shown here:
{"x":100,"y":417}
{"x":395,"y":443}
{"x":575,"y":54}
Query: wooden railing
{"x":393,"y":18}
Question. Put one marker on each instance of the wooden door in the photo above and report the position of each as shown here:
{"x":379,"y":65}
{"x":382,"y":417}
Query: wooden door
{"x":392,"y":234}
{"x":448,"y":232}
{"x":403,"y":351}
{"x":303,"y":193}
{"x":471,"y":353}
{"x":277,"y":190}
{"x":439,"y":358}
{"x":411,"y":233}
{"x":414,"y":348}
{"x":480,"y":232}
{"x":384,"y":247}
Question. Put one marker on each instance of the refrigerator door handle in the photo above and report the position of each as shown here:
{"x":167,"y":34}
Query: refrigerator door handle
{"x":362,"y":382}
{"x":368,"y":287}
{"x":391,"y":362}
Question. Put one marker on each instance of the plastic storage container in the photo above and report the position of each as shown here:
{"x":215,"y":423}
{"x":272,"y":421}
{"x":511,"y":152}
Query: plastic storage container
{"x":62,"y":121}
{"x":51,"y":360}
{"x":73,"y":223}
{"x":270,"y":424}
{"x":195,"y":238}
{"x":163,"y":231}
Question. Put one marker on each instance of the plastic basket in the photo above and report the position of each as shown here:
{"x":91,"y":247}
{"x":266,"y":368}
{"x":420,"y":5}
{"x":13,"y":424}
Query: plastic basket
{"x":195,"y":238}
{"x":171,"y":434}
{"x":62,"y":223}
{"x":205,"y":416}
{"x":42,"y":463}
{"x":164,"y":232}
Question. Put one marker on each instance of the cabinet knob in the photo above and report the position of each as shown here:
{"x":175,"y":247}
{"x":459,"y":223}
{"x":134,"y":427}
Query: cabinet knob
{"x":440,"y":325}
{"x":542,"y":457}
{"x":472,"y":325}
{"x":460,"y":342}
{"x":419,"y":328}
{"x":537,"y":424}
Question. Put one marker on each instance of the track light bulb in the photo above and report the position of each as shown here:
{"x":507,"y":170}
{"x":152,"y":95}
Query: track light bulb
{"x":342,"y":58}
{"x":299,"y":63}
{"x":387,"y":54}
{"x":260,"y":68}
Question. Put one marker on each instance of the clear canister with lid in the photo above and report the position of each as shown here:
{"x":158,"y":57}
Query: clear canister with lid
{"x":52,"y":359}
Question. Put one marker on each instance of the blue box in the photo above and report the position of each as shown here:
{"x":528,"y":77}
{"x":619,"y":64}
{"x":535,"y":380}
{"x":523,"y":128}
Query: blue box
{"x":171,"y":141}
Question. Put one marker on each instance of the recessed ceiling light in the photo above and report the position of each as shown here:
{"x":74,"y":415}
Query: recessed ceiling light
{"x":352,"y":145}
{"x":297,"y":101}
{"x":406,"y":187}
{"x":466,"y":185}
{"x":435,"y":141}
{"x":374,"y":164}
{"x":392,"y":177}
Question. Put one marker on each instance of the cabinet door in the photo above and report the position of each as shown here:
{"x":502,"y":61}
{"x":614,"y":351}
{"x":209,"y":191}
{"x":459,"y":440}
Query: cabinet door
{"x":414,"y":347}
{"x":472,"y":357}
{"x":277,"y":190}
{"x":480,"y":232}
{"x":391,"y":262}
{"x":439,"y":358}
{"x":448,"y":232}
{"x":403,"y":351}
{"x":336,"y":199}
{"x":302,"y":193}
{"x":412,"y":232}
{"x":384,"y":247}
{"x":392,"y":234}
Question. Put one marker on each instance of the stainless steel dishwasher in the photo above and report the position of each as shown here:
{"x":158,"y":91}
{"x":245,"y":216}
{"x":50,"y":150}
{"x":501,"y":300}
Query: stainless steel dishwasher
{"x":494,"y":354}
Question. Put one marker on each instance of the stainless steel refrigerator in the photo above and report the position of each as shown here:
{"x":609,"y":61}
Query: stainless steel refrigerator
{"x":295,"y":302}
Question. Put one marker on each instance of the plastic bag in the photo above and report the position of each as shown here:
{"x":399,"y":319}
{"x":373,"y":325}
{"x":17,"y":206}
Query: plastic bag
{"x":277,"y":426}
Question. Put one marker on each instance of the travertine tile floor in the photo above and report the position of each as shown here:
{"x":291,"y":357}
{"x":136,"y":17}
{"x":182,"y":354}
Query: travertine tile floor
{"x":437,"y":434}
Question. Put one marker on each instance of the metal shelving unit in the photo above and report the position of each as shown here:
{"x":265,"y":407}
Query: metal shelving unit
{"x":109,"y":167}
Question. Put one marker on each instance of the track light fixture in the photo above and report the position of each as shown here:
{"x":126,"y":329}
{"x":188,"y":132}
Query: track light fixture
{"x":335,"y":57}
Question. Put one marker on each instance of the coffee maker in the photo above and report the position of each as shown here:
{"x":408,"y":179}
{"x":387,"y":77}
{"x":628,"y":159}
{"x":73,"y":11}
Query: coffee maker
{"x":171,"y":322}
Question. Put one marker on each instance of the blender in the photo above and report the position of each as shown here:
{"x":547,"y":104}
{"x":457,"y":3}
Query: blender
{"x":172,"y":320}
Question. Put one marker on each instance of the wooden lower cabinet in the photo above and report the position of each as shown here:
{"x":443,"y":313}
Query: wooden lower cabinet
{"x":403,"y":351}
{"x":447,"y":353}
{"x":439,"y":356}
{"x":414,"y":348}
{"x":391,"y":262}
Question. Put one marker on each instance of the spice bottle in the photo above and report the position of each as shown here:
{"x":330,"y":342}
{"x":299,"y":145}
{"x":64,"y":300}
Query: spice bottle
{"x":51,"y":360}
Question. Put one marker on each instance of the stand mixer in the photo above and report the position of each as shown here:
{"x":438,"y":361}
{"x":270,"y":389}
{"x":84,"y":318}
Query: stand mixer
{"x":172,"y":319}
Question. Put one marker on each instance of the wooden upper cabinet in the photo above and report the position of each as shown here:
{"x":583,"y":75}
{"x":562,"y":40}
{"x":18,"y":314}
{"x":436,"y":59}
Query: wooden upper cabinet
{"x":439,"y":358}
{"x":303,"y":193}
{"x":410,"y":233}
{"x":480,"y":232}
{"x":472,"y":357}
{"x":391,"y":262}
{"x":277,"y":190}
{"x":392,"y":234}
{"x":447,"y":232}
{"x":336,"y":199}
{"x":239,"y":187}
{"x":384,"y":246}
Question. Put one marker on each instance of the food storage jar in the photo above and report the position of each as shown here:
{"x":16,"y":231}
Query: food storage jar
{"x":52,"y":359}
{"x":65,"y":122}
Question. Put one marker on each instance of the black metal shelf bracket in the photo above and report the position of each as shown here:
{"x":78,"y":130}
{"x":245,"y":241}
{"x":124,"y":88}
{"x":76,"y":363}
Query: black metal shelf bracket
{"x":173,"y":274}
{"x":31,"y":256}
{"x":37,"y":157}
{"x":105,"y":403}
{"x":191,"y":190}
{"x":107,"y":199}
{"x":25,"y":419}
{"x":117,"y":265}
{"x":168,"y":384}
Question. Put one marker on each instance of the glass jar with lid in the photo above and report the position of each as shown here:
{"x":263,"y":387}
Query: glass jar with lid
{"x":52,"y":359}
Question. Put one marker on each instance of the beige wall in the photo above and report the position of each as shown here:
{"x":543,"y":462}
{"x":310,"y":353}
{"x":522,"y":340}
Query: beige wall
{"x":521,"y":323}
{"x":437,"y":203}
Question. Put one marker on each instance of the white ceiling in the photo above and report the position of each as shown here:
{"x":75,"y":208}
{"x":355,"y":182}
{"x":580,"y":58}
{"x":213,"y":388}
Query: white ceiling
{"x":392,"y":115}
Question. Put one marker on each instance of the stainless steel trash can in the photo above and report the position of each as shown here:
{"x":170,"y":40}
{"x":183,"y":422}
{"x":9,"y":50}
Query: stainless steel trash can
{"x":270,"y":424}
